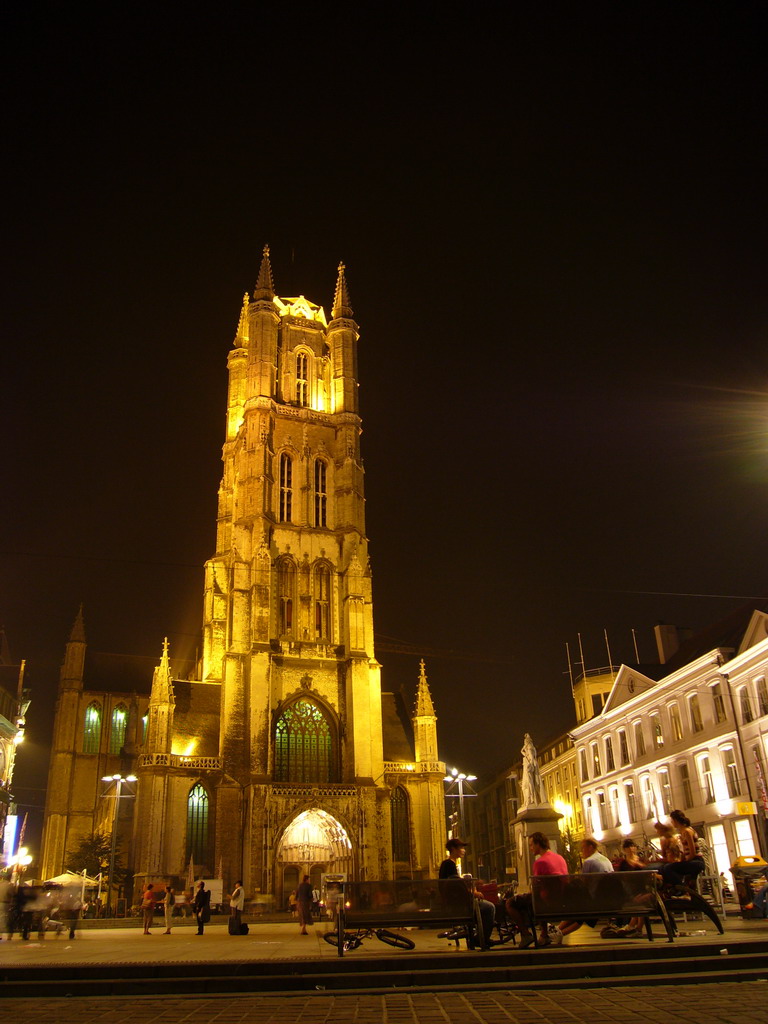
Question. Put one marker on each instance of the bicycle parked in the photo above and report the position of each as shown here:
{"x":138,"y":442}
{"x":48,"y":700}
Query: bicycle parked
{"x":351,"y":940}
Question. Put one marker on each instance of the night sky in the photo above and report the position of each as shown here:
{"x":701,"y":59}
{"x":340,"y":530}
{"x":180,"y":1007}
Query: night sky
{"x":553,"y":219}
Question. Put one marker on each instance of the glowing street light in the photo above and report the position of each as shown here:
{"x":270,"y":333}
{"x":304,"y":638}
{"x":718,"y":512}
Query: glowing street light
{"x":118,"y":780}
{"x":460,"y":780}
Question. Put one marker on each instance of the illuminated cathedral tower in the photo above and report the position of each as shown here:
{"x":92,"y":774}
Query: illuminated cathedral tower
{"x":301,"y":782}
{"x":281,"y":755}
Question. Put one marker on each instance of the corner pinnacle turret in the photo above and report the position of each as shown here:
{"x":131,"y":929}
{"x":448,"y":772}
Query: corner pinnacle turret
{"x":341,"y":304}
{"x":77,"y":636}
{"x":162,"y":680}
{"x":265,"y":285}
{"x":424,"y":705}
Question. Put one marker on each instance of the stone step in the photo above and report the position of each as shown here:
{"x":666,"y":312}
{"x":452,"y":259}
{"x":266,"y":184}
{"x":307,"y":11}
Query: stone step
{"x":578,"y":967}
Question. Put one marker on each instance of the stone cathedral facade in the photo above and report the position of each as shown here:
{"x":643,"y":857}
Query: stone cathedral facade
{"x":283,"y":755}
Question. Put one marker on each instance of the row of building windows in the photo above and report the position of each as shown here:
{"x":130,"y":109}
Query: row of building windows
{"x":604,"y":757}
{"x":320,"y":492}
{"x":671,"y":791}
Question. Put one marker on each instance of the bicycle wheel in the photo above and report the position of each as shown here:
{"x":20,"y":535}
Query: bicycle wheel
{"x":332,"y":938}
{"x":394,"y":939}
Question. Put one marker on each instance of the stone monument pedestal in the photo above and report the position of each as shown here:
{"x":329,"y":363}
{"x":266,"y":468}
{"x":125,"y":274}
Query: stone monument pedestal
{"x":534,"y":818}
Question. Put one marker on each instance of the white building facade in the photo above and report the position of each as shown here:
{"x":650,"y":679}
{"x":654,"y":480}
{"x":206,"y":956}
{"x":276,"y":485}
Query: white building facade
{"x":696,"y":740}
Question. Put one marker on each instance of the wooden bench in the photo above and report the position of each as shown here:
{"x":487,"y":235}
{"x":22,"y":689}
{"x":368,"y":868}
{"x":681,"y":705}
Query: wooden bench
{"x":426,"y":903}
{"x":600,"y":894}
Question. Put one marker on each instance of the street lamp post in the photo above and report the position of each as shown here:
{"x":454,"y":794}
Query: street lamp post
{"x":118,"y":781}
{"x":460,"y":779}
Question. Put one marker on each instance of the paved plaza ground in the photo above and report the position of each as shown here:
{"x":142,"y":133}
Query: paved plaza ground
{"x":725,"y":1003}
{"x":282,"y":941}
{"x":719,"y":1003}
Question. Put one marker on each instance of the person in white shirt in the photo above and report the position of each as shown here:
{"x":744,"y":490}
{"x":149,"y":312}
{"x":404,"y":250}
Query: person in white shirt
{"x":592,"y":861}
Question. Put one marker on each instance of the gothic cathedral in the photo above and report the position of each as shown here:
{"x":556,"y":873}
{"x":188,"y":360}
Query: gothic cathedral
{"x":282,"y":756}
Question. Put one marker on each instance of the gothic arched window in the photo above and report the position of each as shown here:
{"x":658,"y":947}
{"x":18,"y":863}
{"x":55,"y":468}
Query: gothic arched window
{"x":286,"y":596}
{"x":286,"y":488}
{"x":303,"y":745}
{"x":302,"y":379}
{"x":117,"y":732}
{"x":398,"y":811}
{"x":321,"y":493}
{"x":321,"y":586}
{"x":92,"y":728}
{"x":197,"y":824}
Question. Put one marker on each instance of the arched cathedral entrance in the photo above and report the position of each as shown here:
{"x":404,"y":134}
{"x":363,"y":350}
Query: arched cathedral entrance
{"x":313,"y":844}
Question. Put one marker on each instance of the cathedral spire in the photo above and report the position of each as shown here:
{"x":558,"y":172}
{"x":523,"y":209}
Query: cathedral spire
{"x":341,"y":303}
{"x":424,"y":705}
{"x":241,"y":335}
{"x":77,"y":636}
{"x":162,"y":682}
{"x":265,"y":285}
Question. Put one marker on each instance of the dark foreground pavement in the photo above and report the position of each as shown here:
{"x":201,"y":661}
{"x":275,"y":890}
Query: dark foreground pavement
{"x":724,"y":1003}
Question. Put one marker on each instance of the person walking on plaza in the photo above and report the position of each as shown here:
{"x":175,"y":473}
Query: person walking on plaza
{"x":148,"y":907}
{"x":304,"y":904}
{"x":202,"y":906}
{"x":236,"y":904}
{"x":169,"y":901}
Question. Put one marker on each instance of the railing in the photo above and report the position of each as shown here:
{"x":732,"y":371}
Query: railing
{"x":180,"y":761}
{"x":413,"y":768}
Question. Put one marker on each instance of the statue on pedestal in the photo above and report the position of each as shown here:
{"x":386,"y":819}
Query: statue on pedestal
{"x":531,"y":787}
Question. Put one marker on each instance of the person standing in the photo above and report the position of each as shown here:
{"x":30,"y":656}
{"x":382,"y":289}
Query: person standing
{"x":148,"y":907}
{"x":236,"y":904}
{"x":304,"y":904}
{"x":202,"y":906}
{"x":5,"y":896}
{"x":169,"y":901}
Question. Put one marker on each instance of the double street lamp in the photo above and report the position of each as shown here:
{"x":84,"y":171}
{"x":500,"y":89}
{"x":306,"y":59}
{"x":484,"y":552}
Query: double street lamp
{"x":118,"y":780}
{"x":460,"y":780}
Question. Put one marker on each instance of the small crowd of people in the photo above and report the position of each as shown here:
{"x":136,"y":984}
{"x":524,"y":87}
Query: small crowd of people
{"x":36,"y":909}
{"x":678,"y":862}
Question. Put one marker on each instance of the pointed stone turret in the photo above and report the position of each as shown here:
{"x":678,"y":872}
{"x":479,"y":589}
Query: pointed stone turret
{"x":71,"y":676}
{"x":162,"y":681}
{"x":241,"y":335}
{"x":424,"y":721}
{"x":341,"y":304}
{"x":265,"y":285}
{"x":78,"y":628}
{"x":161,"y":705}
{"x":342,"y":341}
{"x":424,"y":705}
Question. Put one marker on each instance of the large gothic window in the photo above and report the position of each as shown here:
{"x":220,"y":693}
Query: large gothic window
{"x":286,"y":488}
{"x":92,"y":728}
{"x":398,"y":809}
{"x":322,"y":596}
{"x":302,"y":379}
{"x":197,"y":824}
{"x":303,"y":745}
{"x":117,"y":732}
{"x":321,"y":493}
{"x":286,"y":596}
